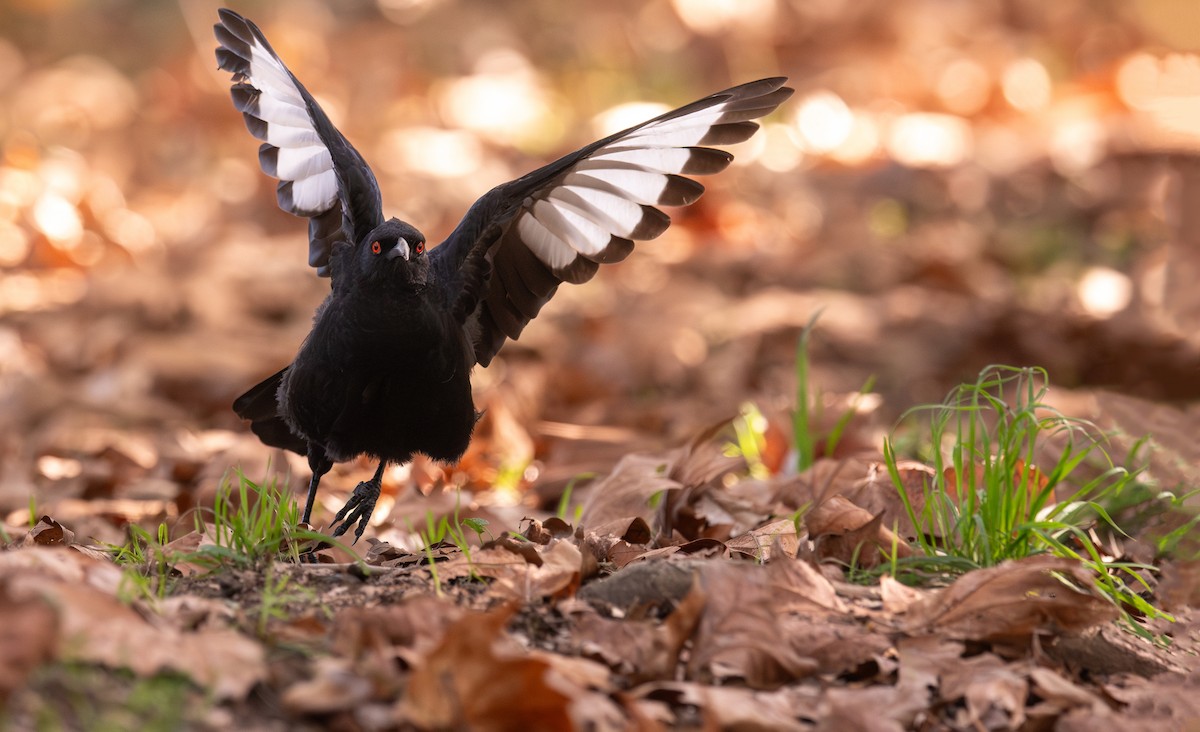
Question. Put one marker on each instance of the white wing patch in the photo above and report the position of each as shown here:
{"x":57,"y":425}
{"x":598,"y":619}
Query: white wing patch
{"x":278,"y":115}
{"x":557,"y":254}
{"x":283,"y":108}
{"x":301,"y":162}
{"x":602,"y":199}
{"x":315,"y":193}
{"x":588,"y":208}
{"x":636,"y":185}
{"x":607,"y":208}
{"x":662,"y":159}
{"x":584,"y":235}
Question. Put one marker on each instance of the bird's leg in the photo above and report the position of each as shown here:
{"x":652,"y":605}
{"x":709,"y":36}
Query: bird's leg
{"x":319,"y":464}
{"x":360,"y":506}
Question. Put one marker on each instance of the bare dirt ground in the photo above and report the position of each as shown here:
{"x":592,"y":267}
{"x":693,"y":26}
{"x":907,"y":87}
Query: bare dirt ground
{"x":951,"y":187}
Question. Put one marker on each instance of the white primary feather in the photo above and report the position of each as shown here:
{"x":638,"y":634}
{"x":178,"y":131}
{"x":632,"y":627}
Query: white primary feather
{"x":554,"y":252}
{"x":636,"y":185}
{"x":282,"y":136}
{"x":315,"y":193}
{"x":582,"y":233}
{"x":279,"y":109}
{"x":619,"y":212}
{"x":295,"y":163}
{"x":662,"y":159}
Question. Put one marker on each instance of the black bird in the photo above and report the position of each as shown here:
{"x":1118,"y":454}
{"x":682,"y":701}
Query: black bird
{"x":386,"y":369}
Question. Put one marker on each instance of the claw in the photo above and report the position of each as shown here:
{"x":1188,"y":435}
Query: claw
{"x":358,"y":509}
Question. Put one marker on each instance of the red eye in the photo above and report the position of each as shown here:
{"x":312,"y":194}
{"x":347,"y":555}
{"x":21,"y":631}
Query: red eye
{"x":420,"y":247}
{"x":375,"y":247}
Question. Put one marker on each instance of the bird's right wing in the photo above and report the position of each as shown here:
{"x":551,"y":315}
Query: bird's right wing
{"x":320,"y":174}
{"x":558,"y":224}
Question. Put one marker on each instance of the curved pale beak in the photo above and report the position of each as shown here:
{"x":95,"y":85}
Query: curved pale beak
{"x":400,"y":250}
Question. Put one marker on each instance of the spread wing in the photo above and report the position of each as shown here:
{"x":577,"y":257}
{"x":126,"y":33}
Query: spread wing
{"x":321,"y":176}
{"x":558,"y":224}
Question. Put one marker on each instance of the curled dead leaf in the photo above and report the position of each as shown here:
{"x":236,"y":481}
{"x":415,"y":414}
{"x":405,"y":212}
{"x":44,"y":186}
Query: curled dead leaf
{"x":769,"y":625}
{"x":478,"y":678}
{"x":48,"y":532}
{"x":849,"y":535}
{"x":1015,"y":601}
{"x":774,"y":540}
{"x":531,"y":572}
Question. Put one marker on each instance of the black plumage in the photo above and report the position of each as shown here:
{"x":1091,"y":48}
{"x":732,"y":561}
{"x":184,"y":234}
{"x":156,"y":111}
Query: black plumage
{"x":386,"y":369}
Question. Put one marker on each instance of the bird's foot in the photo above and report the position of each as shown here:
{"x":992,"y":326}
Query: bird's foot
{"x":358,"y":509}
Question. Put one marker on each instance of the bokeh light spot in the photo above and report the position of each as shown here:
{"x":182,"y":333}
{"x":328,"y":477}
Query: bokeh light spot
{"x":964,"y":86}
{"x":824,"y":121}
{"x":1103,"y":292}
{"x":924,"y":140}
{"x":58,"y":219}
{"x":1027,"y":85}
{"x":713,"y":17}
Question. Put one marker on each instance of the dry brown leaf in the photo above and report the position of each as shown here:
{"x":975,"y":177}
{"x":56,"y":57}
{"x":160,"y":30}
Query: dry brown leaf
{"x":775,"y":540}
{"x":870,"y":709}
{"x":897,"y":596}
{"x":95,"y":628}
{"x":994,"y":693}
{"x":63,"y":564}
{"x":622,"y":553}
{"x":185,"y":545}
{"x":333,"y":687}
{"x":1167,"y":701}
{"x":375,"y":635}
{"x":625,"y":493}
{"x":732,"y":707}
{"x":516,"y":577}
{"x":851,"y":536}
{"x":637,"y":649}
{"x":714,"y":510}
{"x":1059,"y":694}
{"x":769,"y":625}
{"x":477,"y":678}
{"x":1014,"y":601}
{"x":48,"y":532}
{"x":28,"y":637}
{"x":924,"y":662}
{"x":704,"y":460}
{"x":865,"y":482}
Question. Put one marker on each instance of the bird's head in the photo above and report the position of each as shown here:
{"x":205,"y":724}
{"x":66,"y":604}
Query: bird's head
{"x":392,"y":248}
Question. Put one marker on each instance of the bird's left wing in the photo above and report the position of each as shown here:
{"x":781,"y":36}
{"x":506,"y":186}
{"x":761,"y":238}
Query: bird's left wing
{"x":558,"y":224}
{"x":320,"y":174}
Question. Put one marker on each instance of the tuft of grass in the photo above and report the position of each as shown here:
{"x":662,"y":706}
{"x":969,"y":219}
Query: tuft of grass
{"x":450,"y":529}
{"x":250,"y":524}
{"x":147,"y":565}
{"x":253,"y":523}
{"x":995,"y":497}
{"x":564,"y":502}
{"x":804,"y":438}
